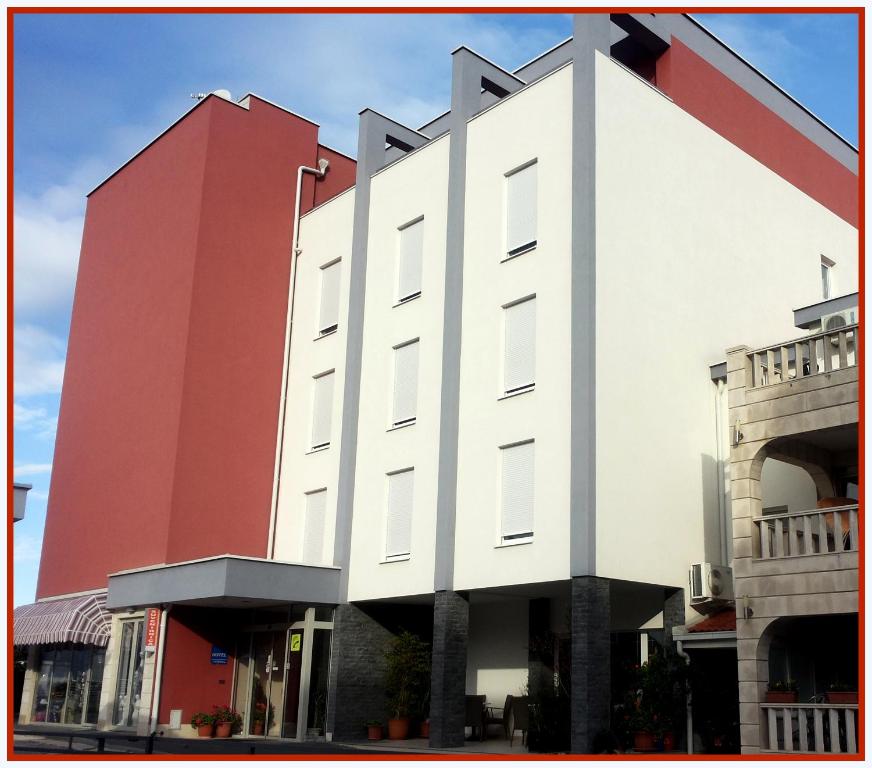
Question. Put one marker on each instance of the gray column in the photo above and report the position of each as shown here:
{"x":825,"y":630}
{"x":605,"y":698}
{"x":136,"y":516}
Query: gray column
{"x":591,"y":660}
{"x":448,"y":681}
{"x":356,"y":691}
{"x":470,"y":74}
{"x":591,"y":33}
{"x":539,"y":678}
{"x":376,"y":131}
{"x":673,"y":614}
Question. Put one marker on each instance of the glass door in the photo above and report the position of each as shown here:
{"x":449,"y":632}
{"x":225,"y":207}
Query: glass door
{"x":294,"y":667}
{"x":130,"y":668}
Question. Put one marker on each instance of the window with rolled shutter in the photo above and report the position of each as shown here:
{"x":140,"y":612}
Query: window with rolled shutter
{"x":405,"y":384}
{"x":411,"y":260}
{"x":521,"y":210}
{"x":517,"y":491}
{"x":313,"y":527}
{"x":399,"y":524}
{"x":328,"y":320}
{"x":519,"y":361}
{"x":322,"y":410}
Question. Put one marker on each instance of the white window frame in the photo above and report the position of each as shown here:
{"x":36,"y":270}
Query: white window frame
{"x":510,"y":252}
{"x":514,"y":540}
{"x":400,"y":299}
{"x":504,"y":393}
{"x":827,"y":266}
{"x":400,"y":556}
{"x":313,"y":446}
{"x":333,"y":327}
{"x":414,"y":419}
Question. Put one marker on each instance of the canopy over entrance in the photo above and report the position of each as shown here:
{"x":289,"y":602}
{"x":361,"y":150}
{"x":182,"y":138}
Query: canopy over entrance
{"x":81,"y":619}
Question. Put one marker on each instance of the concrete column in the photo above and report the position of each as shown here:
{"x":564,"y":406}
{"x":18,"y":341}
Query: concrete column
{"x":539,"y":678}
{"x":448,"y":681}
{"x":591,"y":661}
{"x":357,"y":673}
{"x":28,"y":692}
{"x":673,"y":614}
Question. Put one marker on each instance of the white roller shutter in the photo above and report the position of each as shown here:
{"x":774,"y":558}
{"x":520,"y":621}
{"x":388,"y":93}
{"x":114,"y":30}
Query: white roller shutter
{"x":399,"y":529}
{"x":313,"y":530}
{"x":322,"y":410}
{"x":411,"y":260}
{"x":521,"y":209}
{"x":405,"y":383}
{"x":519,"y":369}
{"x":517,"y":491}
{"x":329,"y":317}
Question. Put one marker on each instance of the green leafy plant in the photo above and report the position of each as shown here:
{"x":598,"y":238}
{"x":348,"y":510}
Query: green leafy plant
{"x":407,"y":678}
{"x":783,"y":686}
{"x":373,"y":724}
{"x":225,"y":714}
{"x":839,"y":687}
{"x":259,"y":715}
{"x":201,"y":719}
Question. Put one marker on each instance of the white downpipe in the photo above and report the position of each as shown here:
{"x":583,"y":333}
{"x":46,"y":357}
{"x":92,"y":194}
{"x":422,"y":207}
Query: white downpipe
{"x":280,"y":439}
{"x":688,"y":700}
{"x":158,"y":671}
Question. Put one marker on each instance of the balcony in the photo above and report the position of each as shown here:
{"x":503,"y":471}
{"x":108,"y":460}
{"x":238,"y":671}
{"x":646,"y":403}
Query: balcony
{"x":811,"y":728}
{"x":812,"y":532}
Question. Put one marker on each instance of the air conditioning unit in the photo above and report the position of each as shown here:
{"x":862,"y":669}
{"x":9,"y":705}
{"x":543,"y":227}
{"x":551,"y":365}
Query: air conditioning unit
{"x":838,"y":320}
{"x":711,"y":582}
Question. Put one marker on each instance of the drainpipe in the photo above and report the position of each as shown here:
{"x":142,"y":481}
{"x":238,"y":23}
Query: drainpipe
{"x":318,"y":172}
{"x":679,"y":648}
{"x":721,"y":471}
{"x":158,"y":672}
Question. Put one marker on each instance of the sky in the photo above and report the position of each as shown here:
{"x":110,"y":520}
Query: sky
{"x":90,"y":90}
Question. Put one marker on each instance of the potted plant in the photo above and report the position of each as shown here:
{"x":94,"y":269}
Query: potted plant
{"x":407,"y":679}
{"x":782,"y":692}
{"x":258,"y":718}
{"x":425,"y":728}
{"x":842,"y":693}
{"x":374,"y":730}
{"x":204,"y":723}
{"x":227,"y":720}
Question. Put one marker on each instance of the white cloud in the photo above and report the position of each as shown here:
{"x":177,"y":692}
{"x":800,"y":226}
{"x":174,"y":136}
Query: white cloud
{"x":38,"y":361}
{"x":26,"y":548}
{"x":28,"y":470}
{"x":36,"y":420}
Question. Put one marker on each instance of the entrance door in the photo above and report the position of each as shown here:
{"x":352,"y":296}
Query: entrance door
{"x":130,"y":667}
{"x":292,"y":687}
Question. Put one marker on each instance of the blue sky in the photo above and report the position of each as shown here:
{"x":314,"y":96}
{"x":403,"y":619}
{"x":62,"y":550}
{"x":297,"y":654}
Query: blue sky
{"x":92,"y":89}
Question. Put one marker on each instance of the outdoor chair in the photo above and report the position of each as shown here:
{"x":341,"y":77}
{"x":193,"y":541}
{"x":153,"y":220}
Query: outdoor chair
{"x":520,"y":719}
{"x":498,"y":716}
{"x":475,"y":716}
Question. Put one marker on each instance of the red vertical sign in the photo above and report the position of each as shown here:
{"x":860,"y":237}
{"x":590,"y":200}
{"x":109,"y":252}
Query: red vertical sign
{"x":152,"y":624}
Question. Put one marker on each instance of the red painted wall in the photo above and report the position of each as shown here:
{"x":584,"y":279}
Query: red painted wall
{"x":166,"y":436}
{"x":710,"y":96}
{"x":190,"y":681}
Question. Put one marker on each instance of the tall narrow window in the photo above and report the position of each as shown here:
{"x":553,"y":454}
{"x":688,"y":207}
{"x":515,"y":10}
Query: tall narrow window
{"x":405,"y":384}
{"x":521,"y":210}
{"x":322,"y":410}
{"x":411,"y":259}
{"x":313,"y":526}
{"x":519,"y":363}
{"x":328,"y":320}
{"x":517,"y":491}
{"x":827,"y":277}
{"x":399,"y":523}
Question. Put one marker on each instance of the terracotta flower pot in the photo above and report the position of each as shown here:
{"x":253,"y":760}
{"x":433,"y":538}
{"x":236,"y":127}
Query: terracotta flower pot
{"x":425,"y":729}
{"x":374,"y":732}
{"x":257,"y":728}
{"x":643,"y":741}
{"x":842,"y":697}
{"x":782,"y":697}
{"x":398,"y":728}
{"x":223,"y":730}
{"x":668,"y":741}
{"x":205,"y":731}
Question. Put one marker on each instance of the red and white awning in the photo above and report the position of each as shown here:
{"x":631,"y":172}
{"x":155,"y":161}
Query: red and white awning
{"x":69,"y":620}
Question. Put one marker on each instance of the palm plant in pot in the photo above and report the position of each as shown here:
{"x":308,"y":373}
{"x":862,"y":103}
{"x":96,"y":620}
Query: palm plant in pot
{"x":407,"y":679}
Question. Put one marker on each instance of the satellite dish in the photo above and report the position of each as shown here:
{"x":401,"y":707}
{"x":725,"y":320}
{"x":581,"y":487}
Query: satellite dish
{"x":223,"y":93}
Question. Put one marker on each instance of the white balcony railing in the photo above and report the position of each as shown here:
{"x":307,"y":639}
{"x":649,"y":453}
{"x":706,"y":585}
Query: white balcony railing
{"x":816,"y":728}
{"x":813,"y":532}
{"x":819,"y":353}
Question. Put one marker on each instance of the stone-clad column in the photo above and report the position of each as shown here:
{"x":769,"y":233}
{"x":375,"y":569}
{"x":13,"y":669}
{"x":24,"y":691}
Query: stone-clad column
{"x":673,"y":614}
{"x":591,"y":661}
{"x":448,"y":682}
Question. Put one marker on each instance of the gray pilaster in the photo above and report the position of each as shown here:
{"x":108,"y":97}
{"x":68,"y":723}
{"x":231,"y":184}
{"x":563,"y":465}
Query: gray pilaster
{"x":673,"y":614}
{"x":590,"y":34}
{"x":470,"y":74}
{"x":356,"y":690}
{"x":591,"y":661}
{"x":376,"y":131}
{"x":448,"y":681}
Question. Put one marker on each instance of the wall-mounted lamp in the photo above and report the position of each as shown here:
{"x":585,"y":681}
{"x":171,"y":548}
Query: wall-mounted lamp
{"x":737,"y":433}
{"x":746,"y":607}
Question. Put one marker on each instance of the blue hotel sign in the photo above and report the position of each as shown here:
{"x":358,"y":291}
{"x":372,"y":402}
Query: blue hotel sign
{"x":218,"y":656}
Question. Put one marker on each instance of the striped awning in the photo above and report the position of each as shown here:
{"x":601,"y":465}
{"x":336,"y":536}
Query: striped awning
{"x":68,"y":620}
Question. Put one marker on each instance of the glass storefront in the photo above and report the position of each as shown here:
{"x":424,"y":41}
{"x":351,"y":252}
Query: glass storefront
{"x":69,"y":685}
{"x":130,"y":668}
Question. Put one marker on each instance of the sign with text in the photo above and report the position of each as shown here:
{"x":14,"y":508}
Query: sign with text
{"x":152,"y":627}
{"x":219,"y":656}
